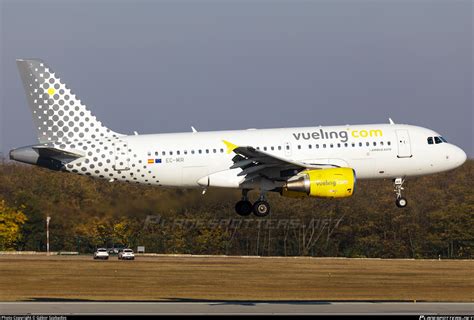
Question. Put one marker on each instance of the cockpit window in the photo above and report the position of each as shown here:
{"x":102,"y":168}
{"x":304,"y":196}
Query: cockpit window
{"x":437,"y":140}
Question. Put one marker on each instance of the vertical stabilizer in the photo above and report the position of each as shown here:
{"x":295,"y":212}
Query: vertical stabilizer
{"x":58,"y":114}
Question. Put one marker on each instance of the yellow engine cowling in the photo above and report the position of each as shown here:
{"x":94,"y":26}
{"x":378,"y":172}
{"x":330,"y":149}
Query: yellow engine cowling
{"x":326,"y":183}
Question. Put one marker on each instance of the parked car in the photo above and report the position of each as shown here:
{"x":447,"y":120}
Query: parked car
{"x":115,"y":248}
{"x":126,"y":254}
{"x":101,"y":253}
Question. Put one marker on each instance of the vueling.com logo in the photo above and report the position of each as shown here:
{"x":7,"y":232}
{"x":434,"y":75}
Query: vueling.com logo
{"x":342,"y":135}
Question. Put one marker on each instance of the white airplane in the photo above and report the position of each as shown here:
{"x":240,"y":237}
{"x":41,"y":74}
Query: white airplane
{"x":295,"y":162}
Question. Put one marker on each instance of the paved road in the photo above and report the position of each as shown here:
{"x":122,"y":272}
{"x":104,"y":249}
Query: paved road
{"x":227,"y":307}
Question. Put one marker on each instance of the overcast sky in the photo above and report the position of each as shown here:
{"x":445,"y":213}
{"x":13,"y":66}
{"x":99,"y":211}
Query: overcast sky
{"x":162,"y":66}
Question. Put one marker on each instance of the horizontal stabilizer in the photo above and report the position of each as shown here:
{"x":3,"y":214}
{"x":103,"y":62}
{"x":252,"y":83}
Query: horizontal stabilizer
{"x":58,"y":154}
{"x":44,"y":156}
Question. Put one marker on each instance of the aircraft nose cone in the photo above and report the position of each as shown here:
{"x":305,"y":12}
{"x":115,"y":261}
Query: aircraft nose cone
{"x":459,"y":156}
{"x":462,"y":156}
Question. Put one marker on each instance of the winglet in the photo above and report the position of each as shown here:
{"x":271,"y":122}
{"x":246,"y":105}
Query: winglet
{"x":230,"y":146}
{"x":391,"y":121}
{"x":194,"y":130}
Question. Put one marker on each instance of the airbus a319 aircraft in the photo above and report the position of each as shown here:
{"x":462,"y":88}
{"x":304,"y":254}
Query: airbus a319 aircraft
{"x":322,"y":161}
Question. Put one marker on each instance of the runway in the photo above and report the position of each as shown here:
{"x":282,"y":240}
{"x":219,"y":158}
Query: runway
{"x":238,"y":307}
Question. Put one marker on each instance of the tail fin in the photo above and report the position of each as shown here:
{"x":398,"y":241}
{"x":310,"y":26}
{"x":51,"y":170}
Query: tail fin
{"x":58,"y":114}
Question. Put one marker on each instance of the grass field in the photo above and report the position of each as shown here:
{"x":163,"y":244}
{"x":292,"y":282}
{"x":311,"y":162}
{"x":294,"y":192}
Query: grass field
{"x":41,"y":278}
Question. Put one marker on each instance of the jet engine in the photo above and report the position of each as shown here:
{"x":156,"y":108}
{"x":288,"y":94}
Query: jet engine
{"x":326,"y":183}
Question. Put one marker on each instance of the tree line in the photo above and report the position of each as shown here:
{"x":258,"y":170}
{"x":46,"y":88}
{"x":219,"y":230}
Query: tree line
{"x":88,"y":213}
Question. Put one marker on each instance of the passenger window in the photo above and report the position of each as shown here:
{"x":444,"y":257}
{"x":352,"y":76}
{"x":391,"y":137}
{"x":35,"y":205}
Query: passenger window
{"x":430,"y":140}
{"x":171,"y":153}
{"x":367,"y":144}
{"x":331,"y":145}
{"x":317,"y":146}
{"x":381,"y":143}
{"x":177,"y":152}
{"x":438,"y":140}
{"x":222,"y":150}
{"x":353,"y":144}
{"x":163,"y":153}
{"x":185,"y":151}
{"x":200,"y":151}
{"x":346,"y":144}
{"x":338,"y":145}
{"x":156,"y":153}
{"x":389,"y":143}
{"x":375,"y":143}
{"x":192,"y":151}
{"x":324,"y":145}
{"x":279,"y":147}
{"x":287,"y":147}
{"x":272,"y":147}
{"x":299,"y":146}
{"x":214,"y":150}
{"x":207,"y":150}
{"x":264,"y":148}
{"x":360,"y":144}
{"x":309,"y":146}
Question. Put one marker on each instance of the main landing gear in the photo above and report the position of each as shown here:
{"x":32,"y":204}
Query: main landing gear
{"x":261,"y":208}
{"x":401,"y":202}
{"x":244,"y":207}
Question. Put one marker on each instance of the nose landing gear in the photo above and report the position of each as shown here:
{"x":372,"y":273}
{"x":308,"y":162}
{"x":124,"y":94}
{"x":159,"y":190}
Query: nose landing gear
{"x":401,"y":202}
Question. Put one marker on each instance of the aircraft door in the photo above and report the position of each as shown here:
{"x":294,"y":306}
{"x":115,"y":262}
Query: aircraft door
{"x":121,"y":156}
{"x":403,"y":142}
{"x":287,"y":147}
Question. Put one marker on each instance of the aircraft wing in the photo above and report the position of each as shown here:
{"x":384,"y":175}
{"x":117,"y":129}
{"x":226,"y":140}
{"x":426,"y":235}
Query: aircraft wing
{"x":254,"y":163}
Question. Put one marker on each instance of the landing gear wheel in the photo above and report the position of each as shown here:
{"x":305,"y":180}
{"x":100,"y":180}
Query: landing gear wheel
{"x":243,"y":208}
{"x":261,"y":208}
{"x":401,"y":202}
